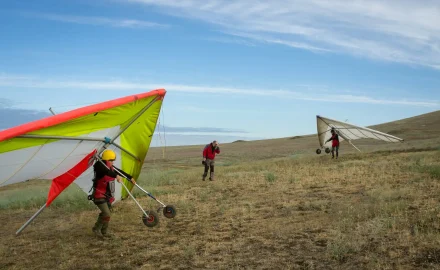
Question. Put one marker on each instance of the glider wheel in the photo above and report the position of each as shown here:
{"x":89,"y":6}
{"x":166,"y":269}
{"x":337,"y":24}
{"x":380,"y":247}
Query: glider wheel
{"x":327,"y":150}
{"x":318,"y":151}
{"x":169,"y":211}
{"x":152,"y":219}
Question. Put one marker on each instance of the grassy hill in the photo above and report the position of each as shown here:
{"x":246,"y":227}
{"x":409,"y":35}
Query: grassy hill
{"x":418,"y":132}
{"x":275,"y":204}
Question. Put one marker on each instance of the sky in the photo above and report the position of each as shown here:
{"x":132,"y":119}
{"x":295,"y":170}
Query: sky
{"x":233,"y":70}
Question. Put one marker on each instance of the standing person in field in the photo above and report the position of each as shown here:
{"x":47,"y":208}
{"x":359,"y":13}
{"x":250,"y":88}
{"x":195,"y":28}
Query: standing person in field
{"x":335,"y":143}
{"x":209,"y":153}
{"x":104,"y":188}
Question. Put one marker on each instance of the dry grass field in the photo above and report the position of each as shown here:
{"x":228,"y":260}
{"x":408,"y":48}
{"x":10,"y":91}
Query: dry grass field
{"x":275,"y":204}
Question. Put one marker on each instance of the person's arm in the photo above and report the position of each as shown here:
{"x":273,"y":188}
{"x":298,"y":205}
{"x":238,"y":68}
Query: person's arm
{"x":124,"y":174}
{"x":217,"y":150}
{"x":101,"y":169}
{"x":332,"y":137}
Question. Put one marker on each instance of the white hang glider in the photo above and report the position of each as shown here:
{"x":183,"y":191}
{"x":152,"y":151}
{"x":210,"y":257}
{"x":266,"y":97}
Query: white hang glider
{"x":347,"y":132}
{"x":63,"y":147}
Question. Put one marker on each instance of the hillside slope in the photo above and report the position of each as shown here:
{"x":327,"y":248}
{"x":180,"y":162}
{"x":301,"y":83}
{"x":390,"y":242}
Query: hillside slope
{"x":425,"y":126}
{"x":418,"y":132}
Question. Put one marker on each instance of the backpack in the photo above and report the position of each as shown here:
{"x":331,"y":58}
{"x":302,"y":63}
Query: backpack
{"x":206,"y":146}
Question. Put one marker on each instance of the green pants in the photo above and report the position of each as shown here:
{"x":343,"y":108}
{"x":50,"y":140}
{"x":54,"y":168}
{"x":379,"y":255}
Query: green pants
{"x":103,"y":217}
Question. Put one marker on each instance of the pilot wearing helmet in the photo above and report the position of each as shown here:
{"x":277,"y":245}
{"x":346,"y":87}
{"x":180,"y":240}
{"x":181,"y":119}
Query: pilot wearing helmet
{"x":104,"y":188}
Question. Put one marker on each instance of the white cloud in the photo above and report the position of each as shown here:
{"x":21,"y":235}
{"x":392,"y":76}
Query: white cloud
{"x":402,"y":31}
{"x":231,"y":41}
{"x":301,"y":92}
{"x":96,"y":20}
{"x":265,"y":39}
{"x":197,"y":109}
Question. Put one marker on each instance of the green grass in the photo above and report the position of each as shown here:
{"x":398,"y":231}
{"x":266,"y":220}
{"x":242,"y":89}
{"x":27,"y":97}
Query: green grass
{"x":72,"y":199}
{"x":432,"y":170}
{"x":270,"y":177}
{"x":158,"y":177}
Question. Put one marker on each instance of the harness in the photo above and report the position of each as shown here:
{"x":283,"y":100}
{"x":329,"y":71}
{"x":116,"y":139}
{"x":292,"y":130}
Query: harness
{"x":108,"y":193}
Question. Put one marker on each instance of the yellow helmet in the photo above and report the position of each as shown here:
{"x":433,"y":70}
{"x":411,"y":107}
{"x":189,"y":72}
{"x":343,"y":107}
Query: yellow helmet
{"x":108,"y":155}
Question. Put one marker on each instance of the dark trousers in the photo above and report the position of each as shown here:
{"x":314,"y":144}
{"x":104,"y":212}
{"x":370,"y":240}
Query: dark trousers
{"x":333,"y":151}
{"x":209,"y":166}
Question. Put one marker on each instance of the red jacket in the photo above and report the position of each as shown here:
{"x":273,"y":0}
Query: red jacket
{"x":335,"y":140}
{"x":209,"y":151}
{"x":105,"y":188}
{"x":104,"y":181}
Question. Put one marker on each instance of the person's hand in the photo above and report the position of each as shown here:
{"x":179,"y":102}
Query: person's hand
{"x":133,"y":181}
{"x":118,"y":178}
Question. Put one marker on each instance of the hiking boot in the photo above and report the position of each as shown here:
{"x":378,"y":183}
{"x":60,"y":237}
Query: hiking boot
{"x":104,"y":231}
{"x":211,"y":178}
{"x":97,"y":230}
{"x":98,"y":227}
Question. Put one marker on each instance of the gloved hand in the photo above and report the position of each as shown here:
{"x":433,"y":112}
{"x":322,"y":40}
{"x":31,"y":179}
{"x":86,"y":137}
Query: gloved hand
{"x":203,"y":162}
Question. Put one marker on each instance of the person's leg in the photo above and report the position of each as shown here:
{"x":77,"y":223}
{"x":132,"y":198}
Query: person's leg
{"x":101,"y":225}
{"x":205,"y":173}
{"x":337,"y":151}
{"x":98,"y":224}
{"x":333,"y":152}
{"x":107,"y":214}
{"x":211,"y":166}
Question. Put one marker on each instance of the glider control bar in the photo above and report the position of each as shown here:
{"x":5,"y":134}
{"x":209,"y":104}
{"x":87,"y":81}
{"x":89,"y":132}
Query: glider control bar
{"x":150,"y":195}
{"x":354,"y":146}
{"x":348,"y":140}
{"x":126,"y":189}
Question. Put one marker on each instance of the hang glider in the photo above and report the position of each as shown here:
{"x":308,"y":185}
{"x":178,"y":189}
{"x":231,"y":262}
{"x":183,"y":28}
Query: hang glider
{"x":63,"y":147}
{"x":348,"y":132}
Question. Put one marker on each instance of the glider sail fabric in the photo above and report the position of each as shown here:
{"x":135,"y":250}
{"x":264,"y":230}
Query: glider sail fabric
{"x":61,"y":147}
{"x":61,"y":182}
{"x":348,"y":132}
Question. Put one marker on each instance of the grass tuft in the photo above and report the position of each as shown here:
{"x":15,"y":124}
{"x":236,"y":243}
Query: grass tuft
{"x":270,"y":177}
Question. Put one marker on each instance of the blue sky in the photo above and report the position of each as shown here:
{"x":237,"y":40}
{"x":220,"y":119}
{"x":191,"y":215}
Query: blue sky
{"x":233,"y":70}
